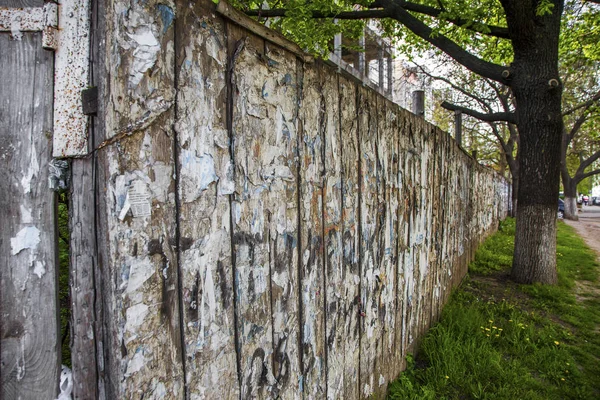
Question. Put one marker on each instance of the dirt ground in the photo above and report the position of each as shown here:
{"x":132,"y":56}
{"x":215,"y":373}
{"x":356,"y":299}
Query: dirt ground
{"x":588,"y":226}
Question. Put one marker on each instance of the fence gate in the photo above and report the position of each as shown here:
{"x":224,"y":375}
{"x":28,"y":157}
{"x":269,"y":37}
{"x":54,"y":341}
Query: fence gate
{"x":44,"y":53}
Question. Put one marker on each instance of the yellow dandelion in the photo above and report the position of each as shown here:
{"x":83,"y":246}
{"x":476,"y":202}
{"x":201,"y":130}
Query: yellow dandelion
{"x":487,"y":329}
{"x":497,"y":335}
{"x":490,"y":321}
{"x":487,"y":334}
{"x":562,"y":379}
{"x":510,"y":320}
{"x":500,"y":329}
{"x":447,"y":377}
{"x":556,"y":343}
{"x":568,"y":364}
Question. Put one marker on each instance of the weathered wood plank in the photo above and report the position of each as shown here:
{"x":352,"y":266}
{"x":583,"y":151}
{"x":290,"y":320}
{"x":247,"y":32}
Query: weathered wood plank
{"x":389,"y":154}
{"x":138,"y":216}
{"x":30,"y":347}
{"x":336,"y":300}
{"x":205,"y":183}
{"x":350,"y":236}
{"x":403,"y":211}
{"x":21,"y":3}
{"x":82,"y":279}
{"x":370,"y":228}
{"x":265,"y":218}
{"x":313,"y":116}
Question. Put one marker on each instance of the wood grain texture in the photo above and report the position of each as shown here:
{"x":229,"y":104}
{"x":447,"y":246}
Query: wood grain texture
{"x":21,"y":3}
{"x":313,"y":116}
{"x":205,"y":181}
{"x":336,"y":299}
{"x":350,"y":235}
{"x":265,"y":218}
{"x":370,"y":228}
{"x":84,"y":328}
{"x":28,"y":244}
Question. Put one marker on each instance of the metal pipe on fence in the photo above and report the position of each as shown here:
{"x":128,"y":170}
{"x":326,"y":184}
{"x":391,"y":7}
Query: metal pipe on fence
{"x":458,"y":127}
{"x":418,"y":102}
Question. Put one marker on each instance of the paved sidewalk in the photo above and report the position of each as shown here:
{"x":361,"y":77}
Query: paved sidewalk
{"x":588,"y":226}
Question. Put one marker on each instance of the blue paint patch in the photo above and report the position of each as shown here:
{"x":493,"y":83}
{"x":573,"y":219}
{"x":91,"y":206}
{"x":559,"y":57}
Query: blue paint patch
{"x":167,"y":15}
{"x":287,"y":79}
{"x":271,"y":62}
{"x":264,"y":92}
{"x":286,"y":132}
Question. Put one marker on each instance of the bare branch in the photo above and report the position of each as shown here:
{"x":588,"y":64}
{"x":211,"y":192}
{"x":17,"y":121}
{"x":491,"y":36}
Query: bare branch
{"x":585,"y":104}
{"x":491,"y":117}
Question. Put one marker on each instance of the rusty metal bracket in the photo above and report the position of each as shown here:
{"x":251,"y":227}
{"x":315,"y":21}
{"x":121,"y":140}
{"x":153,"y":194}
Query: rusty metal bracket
{"x":65,"y":28}
{"x":31,"y":19}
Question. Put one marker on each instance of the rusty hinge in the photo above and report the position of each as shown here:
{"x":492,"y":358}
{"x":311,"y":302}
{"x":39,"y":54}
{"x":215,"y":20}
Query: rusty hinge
{"x":31,"y":19}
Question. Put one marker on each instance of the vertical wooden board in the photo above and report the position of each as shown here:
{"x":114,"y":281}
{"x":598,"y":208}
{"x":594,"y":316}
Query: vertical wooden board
{"x":335,"y":307}
{"x":28,"y":255}
{"x":265,"y":219}
{"x":84,"y":331}
{"x":313,"y":116}
{"x":436,"y":221}
{"x":137,"y":213}
{"x":350,"y":236}
{"x":412,"y":270}
{"x":403,"y":229}
{"x":205,"y":183}
{"x":388,"y":304}
{"x":370,"y":233}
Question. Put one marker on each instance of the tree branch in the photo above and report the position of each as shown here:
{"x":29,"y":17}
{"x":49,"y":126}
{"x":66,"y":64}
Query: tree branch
{"x":588,"y":174}
{"x":585,"y":104}
{"x":491,"y":117}
{"x":490,"y":30}
{"x":363,"y":14}
{"x":586,"y":163}
{"x":496,"y":31}
{"x":468,"y":60}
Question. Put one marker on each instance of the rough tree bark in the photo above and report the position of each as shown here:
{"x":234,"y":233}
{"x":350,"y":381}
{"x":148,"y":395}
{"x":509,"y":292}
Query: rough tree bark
{"x":537,"y":90}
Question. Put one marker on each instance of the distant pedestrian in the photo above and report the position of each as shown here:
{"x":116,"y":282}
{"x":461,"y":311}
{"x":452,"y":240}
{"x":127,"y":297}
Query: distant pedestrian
{"x":586,"y":199}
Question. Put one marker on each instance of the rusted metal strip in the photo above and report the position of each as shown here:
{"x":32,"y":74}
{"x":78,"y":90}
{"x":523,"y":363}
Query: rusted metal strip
{"x":71,"y":77}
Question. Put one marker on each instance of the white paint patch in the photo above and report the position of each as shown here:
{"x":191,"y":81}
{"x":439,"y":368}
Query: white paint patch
{"x":197,"y":174}
{"x":34,"y":168}
{"x":26,"y":215}
{"x":381,"y":380}
{"x":27,"y":238}
{"x":15,"y":27}
{"x":145,"y":53}
{"x":39,"y":269}
{"x":135,"y":316}
{"x":140,"y":271}
{"x":135,"y":364}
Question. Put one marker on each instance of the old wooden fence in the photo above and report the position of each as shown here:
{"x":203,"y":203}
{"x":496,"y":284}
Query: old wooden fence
{"x":246,"y":222}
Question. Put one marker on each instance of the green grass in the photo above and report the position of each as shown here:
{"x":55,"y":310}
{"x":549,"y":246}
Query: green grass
{"x":499,"y":340}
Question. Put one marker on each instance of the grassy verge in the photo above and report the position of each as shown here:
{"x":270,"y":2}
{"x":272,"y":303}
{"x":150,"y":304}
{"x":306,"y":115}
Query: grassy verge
{"x":499,"y":340}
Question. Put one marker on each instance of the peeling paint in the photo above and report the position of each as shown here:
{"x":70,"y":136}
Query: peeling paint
{"x":27,"y":238}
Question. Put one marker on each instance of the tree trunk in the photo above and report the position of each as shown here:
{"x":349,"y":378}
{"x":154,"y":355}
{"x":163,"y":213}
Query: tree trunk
{"x":537,"y":89}
{"x":570,"y":186}
{"x":515,"y":195}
